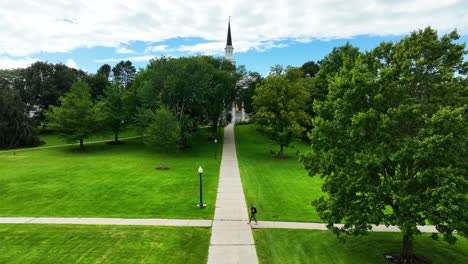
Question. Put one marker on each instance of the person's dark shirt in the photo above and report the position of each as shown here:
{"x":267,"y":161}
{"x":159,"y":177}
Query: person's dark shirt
{"x":253,"y":210}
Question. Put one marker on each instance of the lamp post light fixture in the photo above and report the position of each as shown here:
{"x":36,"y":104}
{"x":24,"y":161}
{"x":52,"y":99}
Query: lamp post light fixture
{"x":200,"y":172}
{"x":216,"y":148}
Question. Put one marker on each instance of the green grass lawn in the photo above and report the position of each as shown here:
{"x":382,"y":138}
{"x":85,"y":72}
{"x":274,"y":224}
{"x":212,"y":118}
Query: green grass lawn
{"x":281,"y":189}
{"x":109,"y":181}
{"x":51,"y":139}
{"x":102,"y":244}
{"x":322,"y":247}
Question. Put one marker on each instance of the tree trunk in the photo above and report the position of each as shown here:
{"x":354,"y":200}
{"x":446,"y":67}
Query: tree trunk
{"x":81,"y":144}
{"x":116,"y":136}
{"x":280,"y":153}
{"x":407,"y":253}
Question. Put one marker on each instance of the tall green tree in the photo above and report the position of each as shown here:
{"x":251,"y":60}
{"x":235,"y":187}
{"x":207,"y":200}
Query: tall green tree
{"x":43,"y":83}
{"x":105,"y":70}
{"x":247,"y":83}
{"x":280,"y":105}
{"x":124,"y":73}
{"x":16,"y":127}
{"x":220,"y":92}
{"x":112,"y":109}
{"x":75,"y":119}
{"x":310,"y":68}
{"x":163,"y":133}
{"x":392,"y":134}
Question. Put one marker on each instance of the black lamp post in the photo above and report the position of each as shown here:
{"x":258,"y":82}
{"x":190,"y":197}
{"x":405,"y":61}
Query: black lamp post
{"x":216,"y":148}
{"x":200,"y":172}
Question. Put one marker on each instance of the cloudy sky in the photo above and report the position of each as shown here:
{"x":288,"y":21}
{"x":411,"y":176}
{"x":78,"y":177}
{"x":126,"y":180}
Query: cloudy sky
{"x":88,"y":33}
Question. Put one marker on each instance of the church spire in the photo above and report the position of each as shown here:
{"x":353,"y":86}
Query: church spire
{"x":229,"y":40}
{"x":229,"y":50}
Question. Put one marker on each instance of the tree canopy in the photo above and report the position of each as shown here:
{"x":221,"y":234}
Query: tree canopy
{"x":392,"y":134}
{"x":75,"y":118}
{"x":280,"y":104}
{"x":16,"y":128}
{"x":163,"y":133}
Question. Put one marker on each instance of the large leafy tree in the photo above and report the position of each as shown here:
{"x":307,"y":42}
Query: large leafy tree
{"x":280,"y":105}
{"x":310,"y":68}
{"x":247,"y":85}
{"x":45,"y":83}
{"x":194,"y":89}
{"x":220,"y":92}
{"x":390,"y":140}
{"x":16,"y":128}
{"x":113,"y":111}
{"x":75,"y":119}
{"x":163,"y":133}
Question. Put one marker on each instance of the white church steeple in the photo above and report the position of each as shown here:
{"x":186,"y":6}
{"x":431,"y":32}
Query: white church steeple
{"x":229,"y":50}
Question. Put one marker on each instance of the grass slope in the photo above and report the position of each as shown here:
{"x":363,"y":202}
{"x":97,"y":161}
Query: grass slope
{"x":102,"y":244}
{"x":281,"y":189}
{"x":52,"y":139}
{"x":322,"y":247}
{"x":109,"y":181}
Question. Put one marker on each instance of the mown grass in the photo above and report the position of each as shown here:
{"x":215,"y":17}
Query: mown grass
{"x":322,"y":247}
{"x":281,"y":188}
{"x":102,"y":244}
{"x":109,"y":181}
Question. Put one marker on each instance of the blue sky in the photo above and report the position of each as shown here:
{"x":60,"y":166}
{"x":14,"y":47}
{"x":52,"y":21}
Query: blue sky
{"x":85,"y":34}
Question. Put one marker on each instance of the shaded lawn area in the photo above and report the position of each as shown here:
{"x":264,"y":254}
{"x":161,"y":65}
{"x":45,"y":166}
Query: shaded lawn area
{"x":109,"y":181}
{"x":281,"y":189}
{"x":102,"y":244}
{"x":52,"y":139}
{"x":313,"y":246}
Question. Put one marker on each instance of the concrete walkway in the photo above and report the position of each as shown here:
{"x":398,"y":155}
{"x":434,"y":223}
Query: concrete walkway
{"x":231,"y":236}
{"x":105,"y":221}
{"x":218,"y":225}
{"x":321,"y":226}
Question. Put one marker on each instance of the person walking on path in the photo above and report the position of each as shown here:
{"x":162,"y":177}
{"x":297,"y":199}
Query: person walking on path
{"x":253,"y":212}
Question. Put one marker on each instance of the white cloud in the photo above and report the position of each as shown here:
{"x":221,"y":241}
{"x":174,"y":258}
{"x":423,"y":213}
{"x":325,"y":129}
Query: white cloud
{"x":158,"y":48}
{"x":61,"y":26}
{"x":8,"y":63}
{"x":72,"y":64}
{"x":124,"y":50}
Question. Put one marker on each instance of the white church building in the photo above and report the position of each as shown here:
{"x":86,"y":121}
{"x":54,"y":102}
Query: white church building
{"x":237,"y":113}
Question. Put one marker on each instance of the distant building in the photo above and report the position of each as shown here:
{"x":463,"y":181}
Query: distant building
{"x":237,"y":113}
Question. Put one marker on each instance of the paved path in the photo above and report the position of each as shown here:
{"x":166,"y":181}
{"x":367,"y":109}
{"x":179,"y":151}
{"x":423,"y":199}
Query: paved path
{"x":231,"y":236}
{"x":105,"y":221}
{"x":220,"y":225}
{"x":321,"y":226}
{"x":64,"y":145}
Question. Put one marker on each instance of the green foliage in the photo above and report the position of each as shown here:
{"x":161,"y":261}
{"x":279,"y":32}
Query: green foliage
{"x":75,"y":119}
{"x":16,"y":128}
{"x":195,"y":89}
{"x":310,"y":69}
{"x":392,"y":134}
{"x":248,"y":83}
{"x":105,"y":70}
{"x":163,"y":133}
{"x":123,"y":73}
{"x":97,"y":83}
{"x":44,"y":83}
{"x":280,"y":105}
{"x":112,"y":109}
